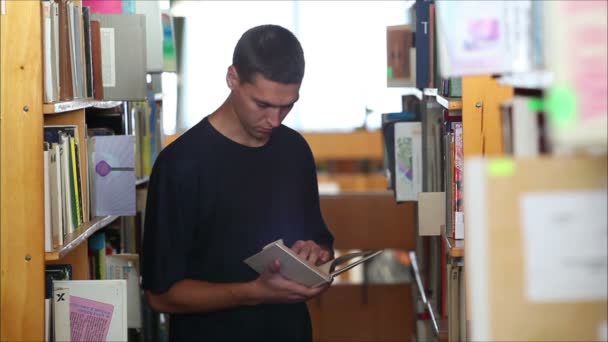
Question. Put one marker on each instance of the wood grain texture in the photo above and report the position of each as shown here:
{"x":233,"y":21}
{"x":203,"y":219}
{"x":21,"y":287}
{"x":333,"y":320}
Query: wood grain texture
{"x":370,"y":220}
{"x":356,"y":182}
{"x":352,"y":145}
{"x":21,"y":177}
{"x":482,"y":129}
{"x":79,"y":260}
{"x":511,"y":314}
{"x":373,"y":312}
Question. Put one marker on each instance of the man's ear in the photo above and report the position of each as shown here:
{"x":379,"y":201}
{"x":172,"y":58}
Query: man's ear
{"x":232,"y":77}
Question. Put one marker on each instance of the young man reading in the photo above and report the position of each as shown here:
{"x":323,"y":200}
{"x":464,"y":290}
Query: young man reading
{"x":234,"y":182}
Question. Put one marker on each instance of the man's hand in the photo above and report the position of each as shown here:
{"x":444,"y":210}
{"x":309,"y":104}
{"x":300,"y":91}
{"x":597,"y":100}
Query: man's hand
{"x":312,"y":252}
{"x":272,"y":287}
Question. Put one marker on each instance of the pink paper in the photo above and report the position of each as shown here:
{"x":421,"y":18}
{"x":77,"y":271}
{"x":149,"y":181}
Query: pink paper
{"x":104,"y":6}
{"x":89,"y":319}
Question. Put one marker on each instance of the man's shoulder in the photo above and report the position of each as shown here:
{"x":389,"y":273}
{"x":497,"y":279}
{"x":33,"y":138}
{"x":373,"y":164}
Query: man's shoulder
{"x":290,"y":135}
{"x":188,"y":143}
{"x":191,"y":147}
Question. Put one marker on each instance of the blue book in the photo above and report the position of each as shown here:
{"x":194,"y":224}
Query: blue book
{"x":423,"y":30}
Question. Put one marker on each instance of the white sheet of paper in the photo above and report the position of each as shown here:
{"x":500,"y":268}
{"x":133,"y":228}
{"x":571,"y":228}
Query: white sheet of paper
{"x":108,"y":59}
{"x":564,"y":241}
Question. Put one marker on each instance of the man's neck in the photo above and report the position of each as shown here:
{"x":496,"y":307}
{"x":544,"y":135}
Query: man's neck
{"x":225,"y":121}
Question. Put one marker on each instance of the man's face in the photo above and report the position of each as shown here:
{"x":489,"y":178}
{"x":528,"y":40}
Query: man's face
{"x":262,"y":105}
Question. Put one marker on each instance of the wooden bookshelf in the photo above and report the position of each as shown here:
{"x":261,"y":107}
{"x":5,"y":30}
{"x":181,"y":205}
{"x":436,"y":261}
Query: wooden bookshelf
{"x":21,"y":173}
{"x":346,"y":145}
{"x":142,"y":181}
{"x":449,"y":103}
{"x":455,"y":248}
{"x":23,"y":115}
{"x":356,"y":182}
{"x":540,"y":79}
{"x":80,"y":235}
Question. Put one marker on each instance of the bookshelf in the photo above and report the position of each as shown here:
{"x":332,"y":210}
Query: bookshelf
{"x":455,"y":248}
{"x":504,"y":267}
{"x":21,"y":170}
{"x":23,"y":115}
{"x":449,"y":103}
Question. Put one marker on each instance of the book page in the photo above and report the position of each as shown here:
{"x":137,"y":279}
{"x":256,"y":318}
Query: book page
{"x":89,"y":319}
{"x":564,"y":238}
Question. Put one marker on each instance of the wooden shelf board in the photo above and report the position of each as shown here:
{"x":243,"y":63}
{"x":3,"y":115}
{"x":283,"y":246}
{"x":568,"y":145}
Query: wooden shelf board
{"x":538,"y":79}
{"x":142,"y":181}
{"x":413,"y":91}
{"x":80,"y":235}
{"x":68,"y":106}
{"x":430,"y":91}
{"x":346,"y":145}
{"x":455,"y":247}
{"x":442,"y":336}
{"x":450,"y":103}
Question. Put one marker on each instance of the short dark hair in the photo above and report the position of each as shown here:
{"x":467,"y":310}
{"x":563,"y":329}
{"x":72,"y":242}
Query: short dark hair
{"x":271,"y":51}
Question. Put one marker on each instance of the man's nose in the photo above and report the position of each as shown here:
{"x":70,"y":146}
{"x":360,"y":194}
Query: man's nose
{"x":274,"y":117}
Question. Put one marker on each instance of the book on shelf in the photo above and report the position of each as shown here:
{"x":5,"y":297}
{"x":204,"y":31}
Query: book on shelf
{"x":293,"y":267}
{"x":65,"y":177}
{"x":112,"y":175}
{"x":408,"y":161}
{"x":401,"y":56}
{"x":486,"y":37}
{"x":431,"y":205}
{"x":388,"y":133}
{"x":422,"y":44}
{"x":126,"y":266}
{"x":123,"y":50}
{"x":457,"y":196}
{"x":53,"y":272}
{"x":90,"y":310}
{"x":48,"y":221}
{"x":432,"y":125}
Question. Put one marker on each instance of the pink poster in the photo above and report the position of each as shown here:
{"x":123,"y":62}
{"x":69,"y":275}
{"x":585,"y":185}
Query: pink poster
{"x":89,"y":319}
{"x":104,"y":6}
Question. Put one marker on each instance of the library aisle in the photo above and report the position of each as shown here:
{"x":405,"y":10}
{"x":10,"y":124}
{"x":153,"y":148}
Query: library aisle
{"x":488,"y":190}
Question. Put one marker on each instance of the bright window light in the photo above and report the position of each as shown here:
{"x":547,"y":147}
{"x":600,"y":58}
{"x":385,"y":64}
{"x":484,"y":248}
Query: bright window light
{"x":344,"y":45}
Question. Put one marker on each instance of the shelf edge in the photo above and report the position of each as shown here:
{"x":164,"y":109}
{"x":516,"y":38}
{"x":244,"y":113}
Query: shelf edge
{"x":81,"y":234}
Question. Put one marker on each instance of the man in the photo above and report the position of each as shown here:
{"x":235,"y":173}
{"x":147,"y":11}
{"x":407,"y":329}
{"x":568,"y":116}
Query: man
{"x":233,"y":183}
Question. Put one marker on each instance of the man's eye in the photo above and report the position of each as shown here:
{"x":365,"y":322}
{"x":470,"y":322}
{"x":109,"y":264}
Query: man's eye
{"x":262,"y":105}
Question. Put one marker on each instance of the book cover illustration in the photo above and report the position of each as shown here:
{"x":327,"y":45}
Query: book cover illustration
{"x":404,"y":163}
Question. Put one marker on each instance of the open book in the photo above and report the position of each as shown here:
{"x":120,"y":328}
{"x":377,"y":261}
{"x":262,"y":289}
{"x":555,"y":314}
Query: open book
{"x":295,"y":268}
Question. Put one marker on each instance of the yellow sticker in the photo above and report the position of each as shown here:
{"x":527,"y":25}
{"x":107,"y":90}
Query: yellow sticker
{"x":501,"y":168}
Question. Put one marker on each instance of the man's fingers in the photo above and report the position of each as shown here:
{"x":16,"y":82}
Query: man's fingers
{"x":297,"y":247}
{"x":274,"y":267}
{"x":305,"y":252}
{"x":324,"y":256}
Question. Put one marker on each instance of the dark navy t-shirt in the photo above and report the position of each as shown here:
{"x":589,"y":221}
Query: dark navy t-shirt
{"x":211,"y":204}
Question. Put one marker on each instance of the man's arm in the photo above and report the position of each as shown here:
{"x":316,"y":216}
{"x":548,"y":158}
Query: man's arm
{"x":189,"y":296}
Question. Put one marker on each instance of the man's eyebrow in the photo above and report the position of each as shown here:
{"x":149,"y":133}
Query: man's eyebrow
{"x":262,"y":102}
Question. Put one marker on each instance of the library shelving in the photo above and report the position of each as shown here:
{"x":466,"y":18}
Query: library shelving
{"x":23,"y":115}
{"x":534,"y":150}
